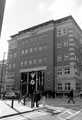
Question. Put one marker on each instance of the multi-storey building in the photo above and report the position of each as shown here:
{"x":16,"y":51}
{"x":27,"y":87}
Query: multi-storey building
{"x":48,"y":55}
{"x":2,"y":7}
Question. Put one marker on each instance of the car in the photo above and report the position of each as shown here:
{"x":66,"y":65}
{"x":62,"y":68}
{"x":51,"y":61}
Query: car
{"x":10,"y":95}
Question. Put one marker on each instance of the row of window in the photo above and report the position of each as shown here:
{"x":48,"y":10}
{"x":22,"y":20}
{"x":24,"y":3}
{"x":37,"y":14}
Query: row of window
{"x":61,"y":31}
{"x":35,"y":39}
{"x":59,"y":45}
{"x":30,"y":62}
{"x":67,"y":86}
{"x":66,"y":57}
{"x":34,"y":61}
{"x":60,"y":71}
{"x":12,"y":44}
{"x":34,"y":49}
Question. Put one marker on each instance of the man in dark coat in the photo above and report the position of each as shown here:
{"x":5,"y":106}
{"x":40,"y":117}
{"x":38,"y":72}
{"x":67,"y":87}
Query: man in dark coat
{"x":37,"y":97}
{"x":71,"y":97}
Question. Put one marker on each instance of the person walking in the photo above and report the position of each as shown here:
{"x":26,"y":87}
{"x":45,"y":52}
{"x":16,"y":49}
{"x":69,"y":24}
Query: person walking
{"x":37,"y":98}
{"x":71,"y":96}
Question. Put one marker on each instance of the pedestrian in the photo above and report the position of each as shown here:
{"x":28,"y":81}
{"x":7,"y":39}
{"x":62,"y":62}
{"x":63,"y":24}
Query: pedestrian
{"x":37,"y":98}
{"x":80,"y":94}
{"x":71,"y":96}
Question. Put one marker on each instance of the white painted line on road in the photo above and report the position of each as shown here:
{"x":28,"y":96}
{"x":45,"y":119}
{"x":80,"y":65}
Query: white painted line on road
{"x":73,"y":115}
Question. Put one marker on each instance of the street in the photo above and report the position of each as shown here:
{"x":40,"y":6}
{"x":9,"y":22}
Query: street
{"x":57,"y":109}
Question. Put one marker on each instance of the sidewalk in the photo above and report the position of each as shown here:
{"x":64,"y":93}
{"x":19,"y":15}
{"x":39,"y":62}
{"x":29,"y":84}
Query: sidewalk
{"x":6,"y":110}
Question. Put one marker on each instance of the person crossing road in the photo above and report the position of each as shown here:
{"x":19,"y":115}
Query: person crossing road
{"x":71,"y":96}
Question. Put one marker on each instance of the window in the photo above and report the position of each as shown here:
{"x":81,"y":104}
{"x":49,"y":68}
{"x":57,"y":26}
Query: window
{"x":13,"y":45}
{"x":66,"y":57}
{"x":11,"y":56}
{"x":44,"y":59}
{"x":14,"y":65}
{"x":45,"y":47}
{"x":22,"y":52}
{"x":64,"y":31}
{"x":77,"y":72}
{"x":65,"y":43}
{"x":59,"y":32}
{"x":58,"y":45}
{"x":67,"y":70}
{"x":67,"y":86}
{"x":40,"y":48}
{"x":78,"y":86}
{"x":34,"y":61}
{"x":31,"y":50}
{"x":40,"y":60}
{"x":35,"y":49}
{"x":25,"y":63}
{"x":59,"y":86}
{"x":59,"y":71}
{"x":9,"y":66}
{"x":30,"y":62}
{"x":26,"y":51}
{"x":59,"y":58}
{"x":21,"y":63}
{"x":14,"y":54}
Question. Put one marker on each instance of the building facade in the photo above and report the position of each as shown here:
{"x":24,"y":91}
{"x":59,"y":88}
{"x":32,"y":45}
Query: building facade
{"x":2,"y":8}
{"x":48,"y":55}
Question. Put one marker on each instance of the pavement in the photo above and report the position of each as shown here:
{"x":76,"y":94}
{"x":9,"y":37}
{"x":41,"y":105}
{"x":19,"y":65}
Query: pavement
{"x":57,"y":109}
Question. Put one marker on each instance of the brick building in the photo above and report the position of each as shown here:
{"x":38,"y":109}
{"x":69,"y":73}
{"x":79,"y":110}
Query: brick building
{"x":2,"y":7}
{"x":48,"y":55}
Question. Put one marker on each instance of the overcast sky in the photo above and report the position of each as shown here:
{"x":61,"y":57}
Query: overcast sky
{"x":22,"y":14}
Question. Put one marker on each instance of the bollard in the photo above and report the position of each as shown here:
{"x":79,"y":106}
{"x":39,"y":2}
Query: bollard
{"x":12,"y":102}
{"x":24,"y":100}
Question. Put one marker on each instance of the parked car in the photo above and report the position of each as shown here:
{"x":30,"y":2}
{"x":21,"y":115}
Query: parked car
{"x":10,"y":95}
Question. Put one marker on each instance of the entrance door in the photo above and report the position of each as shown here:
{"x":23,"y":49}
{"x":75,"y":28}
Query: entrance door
{"x":40,"y":80}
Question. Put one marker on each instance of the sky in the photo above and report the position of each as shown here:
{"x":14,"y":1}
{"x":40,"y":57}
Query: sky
{"x":23,"y":14}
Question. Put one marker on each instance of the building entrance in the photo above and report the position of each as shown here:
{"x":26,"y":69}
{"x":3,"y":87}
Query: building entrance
{"x":35,"y":78}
